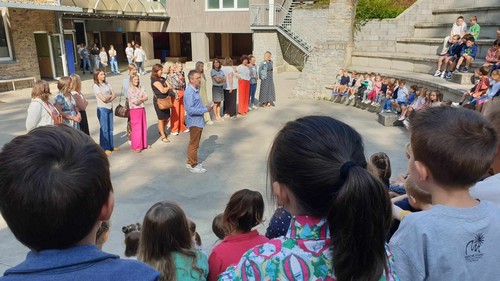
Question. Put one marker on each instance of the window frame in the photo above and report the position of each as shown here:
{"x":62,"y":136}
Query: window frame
{"x":4,"y":12}
{"x":220,"y":9}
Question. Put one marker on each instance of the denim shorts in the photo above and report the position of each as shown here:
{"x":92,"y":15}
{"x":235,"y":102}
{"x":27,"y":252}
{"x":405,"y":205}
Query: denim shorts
{"x":402,"y":103}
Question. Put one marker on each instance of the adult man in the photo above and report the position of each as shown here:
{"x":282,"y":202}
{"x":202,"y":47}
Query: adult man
{"x":194,"y":120}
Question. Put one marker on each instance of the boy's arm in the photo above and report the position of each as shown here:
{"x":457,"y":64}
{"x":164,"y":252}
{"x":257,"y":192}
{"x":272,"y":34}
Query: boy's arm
{"x":474,"y":51}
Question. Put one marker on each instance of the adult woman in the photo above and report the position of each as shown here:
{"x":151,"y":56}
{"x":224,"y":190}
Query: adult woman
{"x":104,"y":96}
{"x":218,"y":82}
{"x":81,"y":102}
{"x":254,"y":76}
{"x":243,"y":73}
{"x":103,"y":58}
{"x":161,"y":89}
{"x":176,"y":75}
{"x":94,"y":53}
{"x":112,"y":60}
{"x":40,"y":112}
{"x":230,"y":88}
{"x":318,"y":172}
{"x":267,"y":94}
{"x":139,"y":128}
{"x":66,"y":104}
{"x":200,"y":67}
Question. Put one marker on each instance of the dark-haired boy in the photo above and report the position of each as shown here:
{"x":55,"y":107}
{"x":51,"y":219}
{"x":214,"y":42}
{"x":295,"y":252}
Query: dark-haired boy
{"x":457,"y":239}
{"x":56,"y":206}
{"x":468,"y":54}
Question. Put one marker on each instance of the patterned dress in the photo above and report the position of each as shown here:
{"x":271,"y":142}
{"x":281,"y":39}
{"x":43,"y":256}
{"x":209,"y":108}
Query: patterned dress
{"x":303,"y":254}
{"x":68,"y":107}
{"x":267,"y":92}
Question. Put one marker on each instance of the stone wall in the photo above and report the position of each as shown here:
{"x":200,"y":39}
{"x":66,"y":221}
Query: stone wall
{"x":381,"y":35}
{"x":263,"y":41}
{"x":301,"y":24}
{"x":329,"y":54}
{"x":23,"y":24}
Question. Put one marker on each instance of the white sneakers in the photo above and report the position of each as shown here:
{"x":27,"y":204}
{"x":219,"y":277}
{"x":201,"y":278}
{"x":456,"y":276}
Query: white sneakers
{"x":198,"y":169}
{"x":437,"y":73}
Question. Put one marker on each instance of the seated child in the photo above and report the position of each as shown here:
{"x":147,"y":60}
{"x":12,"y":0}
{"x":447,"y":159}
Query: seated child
{"x":369,"y":86}
{"x":279,"y":223}
{"x":167,"y":244}
{"x":195,"y":235}
{"x":381,"y":164}
{"x":411,"y":99}
{"x":468,"y":54}
{"x":132,"y":237}
{"x":493,"y":90}
{"x":218,"y":226}
{"x":493,"y":54}
{"x":336,"y":83}
{"x":377,"y":85}
{"x":435,"y":99}
{"x":243,"y":212}
{"x":450,"y":55}
{"x":457,"y":239}
{"x":102,"y":234}
{"x":53,"y":215}
{"x":353,"y":85}
{"x":402,"y":96}
{"x":383,"y":91}
{"x":474,"y":29}
{"x":479,"y":89}
{"x":452,"y":63}
{"x":459,"y":28}
{"x":344,"y":83}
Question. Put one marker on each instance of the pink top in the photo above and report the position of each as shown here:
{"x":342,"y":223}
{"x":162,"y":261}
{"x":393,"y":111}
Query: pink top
{"x":230,"y":251}
{"x":133,"y":95}
{"x":377,"y":86}
{"x":492,"y":55}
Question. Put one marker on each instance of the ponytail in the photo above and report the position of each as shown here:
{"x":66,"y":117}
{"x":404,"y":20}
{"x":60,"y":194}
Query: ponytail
{"x":359,"y":218}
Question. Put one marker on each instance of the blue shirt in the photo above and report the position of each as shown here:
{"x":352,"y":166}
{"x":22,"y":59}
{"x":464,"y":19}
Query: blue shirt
{"x":79,"y":263}
{"x":253,"y":74}
{"x":471,"y":51}
{"x":411,"y":98}
{"x":194,"y":108}
{"x":402,"y":94}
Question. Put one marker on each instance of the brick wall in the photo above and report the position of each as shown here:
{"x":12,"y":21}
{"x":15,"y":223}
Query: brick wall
{"x":23,"y":24}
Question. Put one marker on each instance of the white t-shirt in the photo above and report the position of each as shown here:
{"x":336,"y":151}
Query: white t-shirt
{"x":129,"y":51}
{"x":488,"y":189}
{"x":139,"y":55}
{"x":105,"y":90}
{"x":457,"y":30}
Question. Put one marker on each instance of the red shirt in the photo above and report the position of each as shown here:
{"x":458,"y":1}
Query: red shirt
{"x":230,"y":251}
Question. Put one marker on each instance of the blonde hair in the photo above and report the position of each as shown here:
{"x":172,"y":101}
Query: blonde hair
{"x":76,"y":83}
{"x":167,"y":66}
{"x":64,"y":85}
{"x":41,"y":90}
{"x":413,"y":190}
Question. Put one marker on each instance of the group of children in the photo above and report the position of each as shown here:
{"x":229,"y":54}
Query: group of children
{"x":460,"y":48}
{"x":385,"y":94}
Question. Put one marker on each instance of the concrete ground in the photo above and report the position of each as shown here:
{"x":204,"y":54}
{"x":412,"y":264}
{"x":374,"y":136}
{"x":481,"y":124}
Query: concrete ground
{"x":234,"y":153}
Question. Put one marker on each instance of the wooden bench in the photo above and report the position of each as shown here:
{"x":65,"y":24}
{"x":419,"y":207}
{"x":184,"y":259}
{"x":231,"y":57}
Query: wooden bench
{"x":13,"y":81}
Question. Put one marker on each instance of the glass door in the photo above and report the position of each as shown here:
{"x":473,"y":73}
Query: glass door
{"x":57,"y":55}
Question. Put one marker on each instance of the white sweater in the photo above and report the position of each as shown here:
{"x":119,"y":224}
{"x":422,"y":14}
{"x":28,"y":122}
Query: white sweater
{"x":37,"y":115}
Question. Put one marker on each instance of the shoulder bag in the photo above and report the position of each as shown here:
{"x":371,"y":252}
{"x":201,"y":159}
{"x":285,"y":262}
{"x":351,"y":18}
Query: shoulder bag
{"x":122,"y":111}
{"x":57,"y":119}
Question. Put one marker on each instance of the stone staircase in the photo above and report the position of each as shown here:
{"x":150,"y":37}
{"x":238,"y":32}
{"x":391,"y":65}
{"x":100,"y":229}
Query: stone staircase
{"x":407,"y":47}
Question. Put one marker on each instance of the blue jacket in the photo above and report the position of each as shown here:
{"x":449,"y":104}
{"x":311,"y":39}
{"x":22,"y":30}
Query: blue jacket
{"x":455,"y":49}
{"x":472,"y":51}
{"x":80,"y":263}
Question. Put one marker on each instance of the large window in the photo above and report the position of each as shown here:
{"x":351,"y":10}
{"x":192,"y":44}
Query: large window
{"x":5,"y":50}
{"x":227,"y":5}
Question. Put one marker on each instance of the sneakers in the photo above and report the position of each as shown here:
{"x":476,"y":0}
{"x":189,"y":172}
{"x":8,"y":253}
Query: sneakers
{"x":443,"y":74}
{"x":457,"y":70}
{"x":465,"y":70}
{"x":186,"y":131}
{"x":401,"y":118}
{"x":210,"y":122}
{"x":175,"y":134}
{"x":108,"y":152}
{"x":254,"y":107}
{"x":351,"y":97}
{"x":406,"y":123}
{"x":437,"y":73}
{"x":197,"y":170}
{"x":455,"y":104}
{"x":388,"y":111}
{"x":249,"y":108}
{"x":448,"y":75}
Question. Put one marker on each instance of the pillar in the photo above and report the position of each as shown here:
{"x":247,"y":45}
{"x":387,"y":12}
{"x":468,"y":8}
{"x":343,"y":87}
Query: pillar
{"x":175,"y":44}
{"x":147,"y":44}
{"x":211,"y":42}
{"x":199,"y":46}
{"x":226,"y":44}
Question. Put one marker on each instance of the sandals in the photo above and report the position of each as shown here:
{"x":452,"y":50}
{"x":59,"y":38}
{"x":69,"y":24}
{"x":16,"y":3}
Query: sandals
{"x":165,"y":140}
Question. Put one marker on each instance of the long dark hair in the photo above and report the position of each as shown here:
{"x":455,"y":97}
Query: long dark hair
{"x":165,"y":230}
{"x":321,"y":161}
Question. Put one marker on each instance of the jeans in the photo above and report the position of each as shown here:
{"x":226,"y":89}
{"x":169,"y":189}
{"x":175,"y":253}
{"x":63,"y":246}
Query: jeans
{"x":114,"y":65}
{"x":86,"y":65}
{"x":105,"y":117}
{"x":97,"y":62}
{"x":140,"y":66}
{"x":387,"y":104}
{"x":253,"y":90}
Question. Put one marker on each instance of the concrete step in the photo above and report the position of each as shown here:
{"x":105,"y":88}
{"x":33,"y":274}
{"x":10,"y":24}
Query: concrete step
{"x":433,"y":46}
{"x":425,"y":64}
{"x":488,"y":29}
{"x":451,"y":91}
{"x":484,"y":13}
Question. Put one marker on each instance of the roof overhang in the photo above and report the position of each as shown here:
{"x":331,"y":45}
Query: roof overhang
{"x":115,"y":16}
{"x":54,"y":8}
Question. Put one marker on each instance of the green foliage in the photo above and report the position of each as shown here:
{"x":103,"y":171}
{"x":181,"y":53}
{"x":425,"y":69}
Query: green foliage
{"x":379,"y":9}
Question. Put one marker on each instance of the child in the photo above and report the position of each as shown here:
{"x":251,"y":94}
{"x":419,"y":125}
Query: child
{"x":167,"y":245}
{"x":195,"y":235}
{"x":493,"y":54}
{"x":402,"y":96}
{"x":279,"y":223}
{"x":493,"y":90}
{"x":369,"y":86}
{"x":383,"y":91}
{"x":479,"y":89}
{"x":450,"y":66}
{"x":102,"y":234}
{"x":377,"y":85}
{"x":474,"y":29}
{"x":411,"y":98}
{"x":336,"y":84}
{"x":458,"y":28}
{"x":53,"y":215}
{"x":468,"y":54}
{"x":435,"y":99}
{"x":353,"y":85}
{"x":243,"y":212}
{"x":455,"y":41}
{"x":132,"y":238}
{"x":103,"y":59}
{"x":344,"y":82}
{"x":382,"y":167}
{"x":457,"y":239}
{"x":218,"y":226}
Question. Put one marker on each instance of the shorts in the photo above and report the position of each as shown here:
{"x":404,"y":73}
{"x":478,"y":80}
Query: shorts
{"x":402,"y":103}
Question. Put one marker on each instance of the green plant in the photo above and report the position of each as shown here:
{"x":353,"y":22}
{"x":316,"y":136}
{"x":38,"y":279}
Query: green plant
{"x":379,"y":9}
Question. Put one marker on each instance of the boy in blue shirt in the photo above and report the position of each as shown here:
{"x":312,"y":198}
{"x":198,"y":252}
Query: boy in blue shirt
{"x":402,"y":98}
{"x":468,"y":54}
{"x":55,"y":189}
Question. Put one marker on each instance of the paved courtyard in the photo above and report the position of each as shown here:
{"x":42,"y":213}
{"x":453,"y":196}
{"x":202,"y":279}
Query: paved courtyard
{"x":234,"y":153}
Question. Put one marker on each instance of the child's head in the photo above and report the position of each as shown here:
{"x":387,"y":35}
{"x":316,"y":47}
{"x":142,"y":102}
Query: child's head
{"x":473,"y":20}
{"x":484,"y":70}
{"x":341,"y":71}
{"x":218,"y":226}
{"x":243,"y":212}
{"x":368,"y":76}
{"x":496,"y":44}
{"x":450,"y":147}
{"x":433,"y":96}
{"x":416,"y":195}
{"x":470,"y":42}
{"x":378,"y":78}
{"x":61,"y":172}
{"x":346,"y":73}
{"x":402,"y":83}
{"x":460,"y":20}
{"x":382,"y":164}
{"x":132,"y":238}
{"x":492,"y":114}
{"x":102,"y":234}
{"x":413,"y":88}
{"x":455,"y":38}
{"x":196,"y":237}
{"x":495,"y":75}
{"x":317,"y":168}
{"x":423,"y":92}
{"x":165,"y":230}
{"x":386,"y":80}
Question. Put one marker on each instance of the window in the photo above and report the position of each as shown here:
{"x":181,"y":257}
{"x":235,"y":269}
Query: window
{"x":5,"y":50}
{"x":227,"y":5}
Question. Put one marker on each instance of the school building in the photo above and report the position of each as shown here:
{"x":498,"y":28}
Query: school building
{"x":39,"y":38}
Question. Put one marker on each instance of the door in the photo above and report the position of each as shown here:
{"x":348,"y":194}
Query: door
{"x":58,"y":55}
{"x":43,"y":53}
